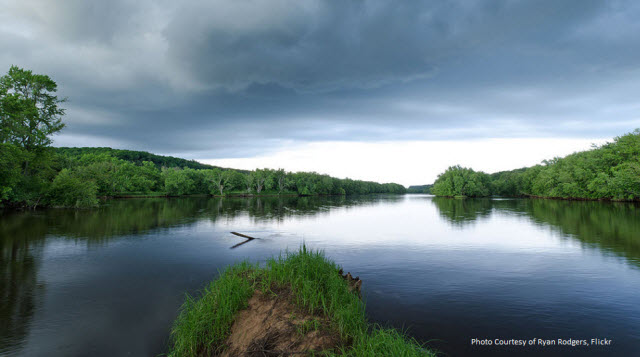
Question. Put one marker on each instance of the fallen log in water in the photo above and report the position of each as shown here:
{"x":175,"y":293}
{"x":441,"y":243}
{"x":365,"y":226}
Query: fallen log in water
{"x":242,"y":235}
{"x":249,"y":239}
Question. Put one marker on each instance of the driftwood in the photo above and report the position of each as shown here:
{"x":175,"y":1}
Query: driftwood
{"x":243,"y":236}
{"x":354,"y":283}
{"x":249,"y":239}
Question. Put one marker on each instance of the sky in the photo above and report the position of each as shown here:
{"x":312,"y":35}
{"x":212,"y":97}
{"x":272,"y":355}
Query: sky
{"x":390,"y":91}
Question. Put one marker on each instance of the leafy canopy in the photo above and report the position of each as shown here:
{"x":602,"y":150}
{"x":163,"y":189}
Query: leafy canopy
{"x":29,"y":110}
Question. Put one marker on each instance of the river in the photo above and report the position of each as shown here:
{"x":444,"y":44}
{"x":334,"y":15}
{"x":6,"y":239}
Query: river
{"x":109,"y":281}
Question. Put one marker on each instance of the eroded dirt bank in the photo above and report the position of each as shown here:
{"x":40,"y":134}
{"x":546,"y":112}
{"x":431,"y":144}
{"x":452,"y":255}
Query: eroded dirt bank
{"x":272,"y":325}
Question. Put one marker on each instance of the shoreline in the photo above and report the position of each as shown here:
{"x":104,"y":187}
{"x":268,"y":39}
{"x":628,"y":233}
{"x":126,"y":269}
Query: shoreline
{"x":297,"y":303}
{"x":246,"y":195}
{"x":9,"y":208}
{"x":604,"y":199}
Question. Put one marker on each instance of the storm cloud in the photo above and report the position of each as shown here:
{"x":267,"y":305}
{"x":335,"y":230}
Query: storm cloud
{"x":207,"y":79}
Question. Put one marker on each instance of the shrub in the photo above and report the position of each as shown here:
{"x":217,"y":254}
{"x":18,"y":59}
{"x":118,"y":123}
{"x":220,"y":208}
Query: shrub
{"x":68,"y":190}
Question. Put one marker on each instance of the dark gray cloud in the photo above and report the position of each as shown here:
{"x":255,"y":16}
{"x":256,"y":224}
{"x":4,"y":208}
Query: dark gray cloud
{"x":234,"y":78}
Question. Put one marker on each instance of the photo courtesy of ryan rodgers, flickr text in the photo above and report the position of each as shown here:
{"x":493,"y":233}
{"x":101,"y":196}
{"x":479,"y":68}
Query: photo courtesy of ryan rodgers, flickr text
{"x":540,"y":342}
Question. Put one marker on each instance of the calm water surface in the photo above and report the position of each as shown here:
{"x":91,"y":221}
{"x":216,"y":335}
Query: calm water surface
{"x":109,"y":281}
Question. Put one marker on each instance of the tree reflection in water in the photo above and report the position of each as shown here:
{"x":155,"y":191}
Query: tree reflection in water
{"x":608,"y":226}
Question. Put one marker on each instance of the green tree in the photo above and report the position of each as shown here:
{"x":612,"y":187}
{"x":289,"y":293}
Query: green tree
{"x":236,"y":180}
{"x":71,"y":190}
{"x":10,"y":171}
{"x":280,"y":177}
{"x":609,"y":171}
{"x":29,"y":115}
{"x":29,"y":110}
{"x":219,"y":180}
{"x":260,"y":177}
{"x":249,"y":180}
{"x":178,"y":182}
{"x":461,"y":181}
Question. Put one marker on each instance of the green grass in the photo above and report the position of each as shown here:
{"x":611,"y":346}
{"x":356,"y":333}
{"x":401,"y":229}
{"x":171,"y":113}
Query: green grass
{"x":309,"y":325}
{"x":204,"y":323}
{"x":316,"y":286}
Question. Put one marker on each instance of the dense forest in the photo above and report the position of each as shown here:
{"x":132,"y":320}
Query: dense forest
{"x":32,"y":173}
{"x":610,"y":171}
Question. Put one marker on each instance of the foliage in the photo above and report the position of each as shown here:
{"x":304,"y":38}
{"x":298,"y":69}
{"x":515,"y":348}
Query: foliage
{"x":611,"y":171}
{"x":136,"y":157}
{"x":68,"y":189}
{"x":178,"y":182}
{"x":460,"y":181}
{"x":222,"y":182}
{"x":259,"y":178}
{"x":34,"y":174}
{"x":29,"y":112}
{"x":29,"y":115}
{"x":11,"y":157}
{"x":419,"y":189}
{"x":280,"y":179}
{"x":115,"y":176}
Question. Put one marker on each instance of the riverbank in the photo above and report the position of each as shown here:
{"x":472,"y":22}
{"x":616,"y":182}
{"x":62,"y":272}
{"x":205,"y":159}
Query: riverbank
{"x":297,"y":303}
{"x":602,"y":199}
{"x":231,"y":194}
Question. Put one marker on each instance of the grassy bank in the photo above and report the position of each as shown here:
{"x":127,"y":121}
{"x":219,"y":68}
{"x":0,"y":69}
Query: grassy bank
{"x":315,"y":286}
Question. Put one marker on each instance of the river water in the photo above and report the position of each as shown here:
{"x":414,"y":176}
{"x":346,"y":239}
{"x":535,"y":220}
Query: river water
{"x":109,"y":281}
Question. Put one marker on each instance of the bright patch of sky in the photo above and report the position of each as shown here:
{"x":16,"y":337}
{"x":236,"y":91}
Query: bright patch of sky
{"x":410,"y":162}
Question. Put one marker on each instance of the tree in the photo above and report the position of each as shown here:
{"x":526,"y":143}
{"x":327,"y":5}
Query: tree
{"x":220,"y":180}
{"x":29,"y":111}
{"x":249,"y":180}
{"x":70,"y":190}
{"x":236,"y":180}
{"x":280,"y":176}
{"x":609,"y":171}
{"x":29,"y":115}
{"x":461,"y":181}
{"x":10,"y":170}
{"x":260,"y":178}
{"x":178,"y":182}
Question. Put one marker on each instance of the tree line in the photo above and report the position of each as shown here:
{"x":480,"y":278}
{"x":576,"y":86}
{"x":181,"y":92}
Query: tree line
{"x":137,"y":157}
{"x":419,"y":189}
{"x":104,"y":175}
{"x":610,"y":171}
{"x":32,"y":173}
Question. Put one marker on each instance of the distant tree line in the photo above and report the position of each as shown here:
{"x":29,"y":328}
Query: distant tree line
{"x":610,"y":171}
{"x":84,"y":177}
{"x":34,"y":174}
{"x":113,"y":177}
{"x":137,"y":157}
{"x":419,"y":189}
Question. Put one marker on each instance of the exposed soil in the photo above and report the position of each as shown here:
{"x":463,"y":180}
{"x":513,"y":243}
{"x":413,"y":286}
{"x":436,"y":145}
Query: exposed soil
{"x":273,"y":326}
